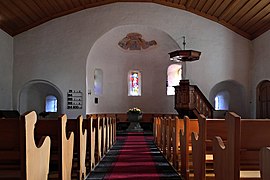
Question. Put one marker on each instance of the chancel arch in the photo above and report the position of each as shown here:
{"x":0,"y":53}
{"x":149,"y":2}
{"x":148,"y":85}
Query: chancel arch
{"x":117,"y":52}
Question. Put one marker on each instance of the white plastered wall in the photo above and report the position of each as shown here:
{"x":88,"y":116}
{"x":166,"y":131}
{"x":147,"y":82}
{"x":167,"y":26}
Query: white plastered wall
{"x":6,"y":70}
{"x":260,"y":65}
{"x":58,"y":51}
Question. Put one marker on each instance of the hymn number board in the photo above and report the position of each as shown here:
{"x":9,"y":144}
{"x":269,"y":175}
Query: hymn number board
{"x":74,"y":99}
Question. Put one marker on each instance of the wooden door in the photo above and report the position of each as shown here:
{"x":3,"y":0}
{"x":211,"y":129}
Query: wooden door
{"x":263,"y":100}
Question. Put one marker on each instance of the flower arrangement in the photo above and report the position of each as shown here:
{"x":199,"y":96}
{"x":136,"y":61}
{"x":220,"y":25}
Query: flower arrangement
{"x":135,"y":110}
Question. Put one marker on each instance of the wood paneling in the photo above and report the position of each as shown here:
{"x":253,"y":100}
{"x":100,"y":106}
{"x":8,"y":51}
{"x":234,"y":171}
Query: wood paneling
{"x":249,"y":18}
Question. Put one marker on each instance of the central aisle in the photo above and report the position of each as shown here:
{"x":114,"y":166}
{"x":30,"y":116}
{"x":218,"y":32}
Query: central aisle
{"x":134,"y":156}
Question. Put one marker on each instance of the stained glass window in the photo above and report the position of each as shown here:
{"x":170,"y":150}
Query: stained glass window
{"x":134,"y":83}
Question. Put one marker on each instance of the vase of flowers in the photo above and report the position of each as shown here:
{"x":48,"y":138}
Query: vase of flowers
{"x":134,"y":117}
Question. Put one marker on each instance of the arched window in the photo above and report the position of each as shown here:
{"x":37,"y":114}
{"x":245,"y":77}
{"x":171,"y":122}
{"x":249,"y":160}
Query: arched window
{"x":51,"y":104}
{"x":174,"y":75}
{"x":98,"y":82}
{"x":134,"y":83}
{"x":222,"y":101}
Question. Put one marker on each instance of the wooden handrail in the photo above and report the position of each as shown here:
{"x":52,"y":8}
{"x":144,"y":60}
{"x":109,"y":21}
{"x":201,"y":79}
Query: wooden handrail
{"x":205,"y":100}
{"x":189,"y":98}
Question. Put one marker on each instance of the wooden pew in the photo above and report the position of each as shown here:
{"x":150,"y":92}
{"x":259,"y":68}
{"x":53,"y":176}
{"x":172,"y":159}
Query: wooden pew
{"x":20,"y":157}
{"x":98,"y":136}
{"x":169,"y":142}
{"x":169,"y":137}
{"x":202,"y":144}
{"x":90,"y":149}
{"x":222,"y":162}
{"x":157,"y":131}
{"x":173,"y":134}
{"x":107,"y":140}
{"x":35,"y":159}
{"x":147,"y":121}
{"x":105,"y":133}
{"x":178,"y":125}
{"x":114,"y":130}
{"x":190,"y":125}
{"x":265,"y":163}
{"x":109,"y":132}
{"x":62,"y":144}
{"x":79,"y":152}
{"x":167,"y":131}
{"x":103,"y":126}
{"x":10,"y":148}
{"x":165,"y":124}
{"x":163,"y":134}
{"x":122,"y":121}
{"x":244,"y":140}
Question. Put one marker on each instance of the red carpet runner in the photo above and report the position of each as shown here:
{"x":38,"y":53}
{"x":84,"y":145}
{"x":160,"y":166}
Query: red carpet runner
{"x":134,"y":161}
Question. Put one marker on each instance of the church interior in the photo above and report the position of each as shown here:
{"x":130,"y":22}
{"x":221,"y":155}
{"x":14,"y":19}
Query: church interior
{"x":166,"y":89}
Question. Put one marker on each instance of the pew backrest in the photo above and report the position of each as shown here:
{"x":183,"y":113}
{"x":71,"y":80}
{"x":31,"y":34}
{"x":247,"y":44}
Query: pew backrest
{"x":202,"y":142}
{"x":178,"y":126}
{"x":190,"y":125}
{"x":227,"y":158}
{"x":21,"y":157}
{"x":265,"y":163}
{"x":98,"y":129}
{"x":9,"y":140}
{"x":62,"y":143}
{"x":80,"y":144}
{"x":36,"y":158}
{"x":66,"y":149}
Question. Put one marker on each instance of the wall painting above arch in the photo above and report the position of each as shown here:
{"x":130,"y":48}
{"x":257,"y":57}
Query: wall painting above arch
{"x":135,"y":41}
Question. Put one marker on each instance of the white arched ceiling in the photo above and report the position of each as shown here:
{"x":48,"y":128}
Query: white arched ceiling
{"x":116,"y":62}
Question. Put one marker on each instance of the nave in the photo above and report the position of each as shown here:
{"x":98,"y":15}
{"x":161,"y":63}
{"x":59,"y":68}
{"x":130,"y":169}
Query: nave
{"x":91,"y":148}
{"x":134,"y":156}
{"x":61,"y":148}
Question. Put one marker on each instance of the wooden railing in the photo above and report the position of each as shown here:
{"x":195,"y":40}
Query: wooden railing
{"x":189,"y":98}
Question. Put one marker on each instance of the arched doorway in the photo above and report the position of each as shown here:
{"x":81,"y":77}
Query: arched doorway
{"x":263,"y":100}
